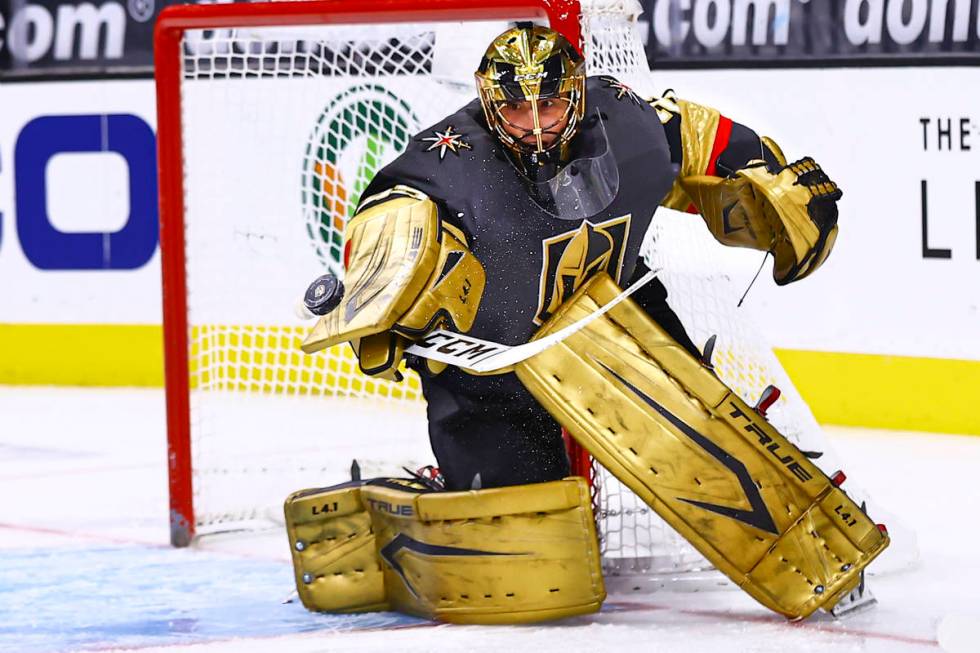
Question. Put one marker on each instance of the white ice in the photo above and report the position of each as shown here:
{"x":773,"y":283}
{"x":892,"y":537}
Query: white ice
{"x":85,"y":564}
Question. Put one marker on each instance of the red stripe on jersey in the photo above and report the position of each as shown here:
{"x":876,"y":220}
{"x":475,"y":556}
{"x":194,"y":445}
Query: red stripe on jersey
{"x":347,"y":255}
{"x":722,"y":136}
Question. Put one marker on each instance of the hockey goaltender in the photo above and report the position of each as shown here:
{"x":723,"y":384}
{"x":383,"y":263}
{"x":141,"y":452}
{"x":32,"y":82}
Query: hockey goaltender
{"x":509,"y":220}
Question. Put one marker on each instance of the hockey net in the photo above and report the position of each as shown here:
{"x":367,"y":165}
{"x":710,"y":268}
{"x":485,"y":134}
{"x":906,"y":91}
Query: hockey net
{"x":271,"y":125}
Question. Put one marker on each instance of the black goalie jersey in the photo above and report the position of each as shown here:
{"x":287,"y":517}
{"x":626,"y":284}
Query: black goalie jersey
{"x":488,"y":430}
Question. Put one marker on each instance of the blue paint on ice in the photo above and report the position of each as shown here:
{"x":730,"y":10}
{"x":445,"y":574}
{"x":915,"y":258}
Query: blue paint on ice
{"x":129,"y":596}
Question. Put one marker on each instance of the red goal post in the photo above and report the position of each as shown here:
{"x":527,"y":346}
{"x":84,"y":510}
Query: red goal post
{"x":173,"y":22}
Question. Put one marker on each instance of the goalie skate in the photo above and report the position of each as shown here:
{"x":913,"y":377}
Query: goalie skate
{"x":860,"y":599}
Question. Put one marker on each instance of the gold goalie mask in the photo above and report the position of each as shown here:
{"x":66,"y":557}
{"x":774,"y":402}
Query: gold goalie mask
{"x":536,"y":68}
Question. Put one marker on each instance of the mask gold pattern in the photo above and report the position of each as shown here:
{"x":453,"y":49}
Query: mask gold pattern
{"x":528,"y":64}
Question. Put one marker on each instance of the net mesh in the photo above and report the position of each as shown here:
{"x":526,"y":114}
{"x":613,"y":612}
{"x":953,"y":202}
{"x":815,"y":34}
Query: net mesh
{"x":283,"y":128}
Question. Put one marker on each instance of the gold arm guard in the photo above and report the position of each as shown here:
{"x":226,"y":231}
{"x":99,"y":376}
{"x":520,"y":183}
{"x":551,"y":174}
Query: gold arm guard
{"x":498,"y":556}
{"x":706,"y":462}
{"x":407,"y":274}
{"x":772,"y":212}
{"x":699,"y":126}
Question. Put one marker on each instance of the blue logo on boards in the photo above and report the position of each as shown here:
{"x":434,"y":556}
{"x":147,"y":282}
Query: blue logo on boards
{"x":48,"y":248}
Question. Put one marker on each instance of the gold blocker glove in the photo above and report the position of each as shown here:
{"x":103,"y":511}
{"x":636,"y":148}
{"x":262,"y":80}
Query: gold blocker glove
{"x":790,"y":212}
{"x":408,"y":272}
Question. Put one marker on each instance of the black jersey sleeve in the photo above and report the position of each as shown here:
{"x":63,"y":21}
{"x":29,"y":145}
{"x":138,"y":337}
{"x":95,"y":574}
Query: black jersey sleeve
{"x":743,"y":145}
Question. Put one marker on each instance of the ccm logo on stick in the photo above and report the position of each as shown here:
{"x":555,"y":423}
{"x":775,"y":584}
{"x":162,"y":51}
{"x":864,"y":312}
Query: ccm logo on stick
{"x":50,"y":248}
{"x":457,"y":345}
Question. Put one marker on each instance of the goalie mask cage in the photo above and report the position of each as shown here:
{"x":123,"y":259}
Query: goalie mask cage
{"x":272,"y":119}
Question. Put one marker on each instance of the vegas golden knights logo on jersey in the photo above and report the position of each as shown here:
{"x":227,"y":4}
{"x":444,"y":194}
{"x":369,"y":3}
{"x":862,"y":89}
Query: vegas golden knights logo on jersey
{"x":574,"y":256}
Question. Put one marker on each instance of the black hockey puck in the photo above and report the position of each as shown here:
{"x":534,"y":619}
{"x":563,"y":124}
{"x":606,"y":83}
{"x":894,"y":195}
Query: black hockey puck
{"x":324,"y":294}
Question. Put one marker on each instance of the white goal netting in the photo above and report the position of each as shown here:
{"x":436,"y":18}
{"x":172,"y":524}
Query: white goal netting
{"x":283,"y":128}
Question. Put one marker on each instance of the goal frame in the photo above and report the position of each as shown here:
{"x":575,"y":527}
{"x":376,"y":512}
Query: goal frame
{"x":173,"y":22}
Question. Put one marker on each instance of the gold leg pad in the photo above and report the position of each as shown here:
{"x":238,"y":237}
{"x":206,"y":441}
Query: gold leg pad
{"x":499,"y":556}
{"x":335,"y":557}
{"x":706,"y":462}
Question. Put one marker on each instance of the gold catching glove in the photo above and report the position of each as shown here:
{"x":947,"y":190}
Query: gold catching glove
{"x":407,"y":273}
{"x":791,"y":213}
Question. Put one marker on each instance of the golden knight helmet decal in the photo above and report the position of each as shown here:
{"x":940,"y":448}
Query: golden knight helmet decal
{"x":537,"y":65}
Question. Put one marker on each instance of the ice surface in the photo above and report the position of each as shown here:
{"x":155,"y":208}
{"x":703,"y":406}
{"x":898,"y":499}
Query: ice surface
{"x":85,"y":565}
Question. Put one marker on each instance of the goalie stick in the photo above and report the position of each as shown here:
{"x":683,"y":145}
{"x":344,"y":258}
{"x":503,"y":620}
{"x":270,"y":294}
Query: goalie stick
{"x":464,"y":351}
{"x":485,"y":356}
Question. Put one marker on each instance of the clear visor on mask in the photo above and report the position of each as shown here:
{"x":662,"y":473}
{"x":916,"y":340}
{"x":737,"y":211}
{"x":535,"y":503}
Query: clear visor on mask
{"x":585,"y":186}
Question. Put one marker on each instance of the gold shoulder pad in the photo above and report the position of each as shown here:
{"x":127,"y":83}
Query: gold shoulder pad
{"x":699,"y":127}
{"x":407,"y":273}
